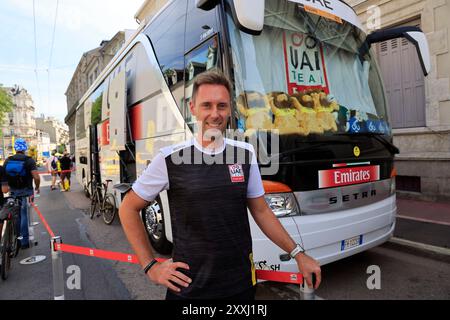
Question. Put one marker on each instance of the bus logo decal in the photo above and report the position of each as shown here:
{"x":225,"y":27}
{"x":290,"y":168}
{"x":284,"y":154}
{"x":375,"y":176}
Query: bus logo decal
{"x":236,"y":173}
{"x":348,"y":176}
{"x":305,"y":63}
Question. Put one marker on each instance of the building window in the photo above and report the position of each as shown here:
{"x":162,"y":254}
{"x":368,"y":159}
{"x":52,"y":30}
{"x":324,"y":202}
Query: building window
{"x":408,"y":183}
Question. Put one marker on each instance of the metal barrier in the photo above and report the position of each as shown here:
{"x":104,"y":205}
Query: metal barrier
{"x":57,"y":270}
{"x":58,"y":247}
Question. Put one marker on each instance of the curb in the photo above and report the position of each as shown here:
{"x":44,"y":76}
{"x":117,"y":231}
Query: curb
{"x":426,"y":250}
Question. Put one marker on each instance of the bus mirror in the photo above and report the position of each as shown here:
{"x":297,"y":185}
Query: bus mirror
{"x":206,"y":4}
{"x":413,"y":34}
{"x":419,"y":39}
{"x":249,"y":15}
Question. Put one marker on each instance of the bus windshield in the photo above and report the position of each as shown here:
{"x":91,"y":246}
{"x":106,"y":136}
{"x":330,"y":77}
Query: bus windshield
{"x":304,"y":75}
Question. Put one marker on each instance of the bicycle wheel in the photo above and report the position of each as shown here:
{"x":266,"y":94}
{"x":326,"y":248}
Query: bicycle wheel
{"x":5,"y":252}
{"x":109,"y":208}
{"x":94,"y":204}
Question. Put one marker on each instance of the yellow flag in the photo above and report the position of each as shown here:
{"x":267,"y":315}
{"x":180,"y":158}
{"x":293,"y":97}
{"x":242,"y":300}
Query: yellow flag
{"x":13,"y":140}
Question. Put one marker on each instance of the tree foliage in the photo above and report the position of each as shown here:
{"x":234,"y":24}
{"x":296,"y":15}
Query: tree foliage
{"x":6,"y":103}
{"x":96,"y":113}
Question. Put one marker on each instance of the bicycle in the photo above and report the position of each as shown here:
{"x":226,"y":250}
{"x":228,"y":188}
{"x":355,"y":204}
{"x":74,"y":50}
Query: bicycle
{"x":10,"y":241}
{"x":103,"y":201}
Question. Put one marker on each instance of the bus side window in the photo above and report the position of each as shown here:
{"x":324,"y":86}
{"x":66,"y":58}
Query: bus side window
{"x":167,"y":36}
{"x":205,"y":57}
{"x":80,"y":130}
{"x":200,"y":25}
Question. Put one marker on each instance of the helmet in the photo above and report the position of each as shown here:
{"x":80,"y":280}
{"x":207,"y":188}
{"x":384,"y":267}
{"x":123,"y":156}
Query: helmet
{"x":20,"y":145}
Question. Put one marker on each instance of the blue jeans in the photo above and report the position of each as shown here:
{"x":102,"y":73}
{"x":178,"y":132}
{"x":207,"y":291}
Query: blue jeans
{"x":23,"y":194}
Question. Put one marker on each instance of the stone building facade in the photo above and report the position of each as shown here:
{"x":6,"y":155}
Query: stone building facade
{"x":19,"y":123}
{"x":422,"y":133}
{"x":89,"y":68}
{"x":58,"y":133}
{"x":148,"y":10}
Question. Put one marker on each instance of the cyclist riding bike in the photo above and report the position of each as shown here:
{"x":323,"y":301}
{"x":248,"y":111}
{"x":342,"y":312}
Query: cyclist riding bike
{"x":20,"y":171}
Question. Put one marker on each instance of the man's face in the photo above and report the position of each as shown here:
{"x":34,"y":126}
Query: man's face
{"x":211,"y":108}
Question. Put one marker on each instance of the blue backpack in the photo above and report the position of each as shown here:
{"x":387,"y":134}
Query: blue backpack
{"x":16,"y":172}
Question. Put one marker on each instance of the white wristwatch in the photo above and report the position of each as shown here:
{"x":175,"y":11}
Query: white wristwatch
{"x":298,"y":249}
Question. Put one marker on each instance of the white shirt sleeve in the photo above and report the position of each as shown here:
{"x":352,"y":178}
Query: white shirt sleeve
{"x":255,"y":188}
{"x":153,"y":180}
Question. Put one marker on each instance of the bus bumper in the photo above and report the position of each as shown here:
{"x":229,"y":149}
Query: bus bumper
{"x":324,"y":235}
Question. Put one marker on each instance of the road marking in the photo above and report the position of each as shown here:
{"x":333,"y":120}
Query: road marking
{"x":296,"y":289}
{"x":422,"y":246}
{"x":424,"y":220}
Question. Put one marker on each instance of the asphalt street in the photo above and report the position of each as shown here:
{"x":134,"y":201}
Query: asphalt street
{"x":98,"y":278}
{"x":406,"y":273}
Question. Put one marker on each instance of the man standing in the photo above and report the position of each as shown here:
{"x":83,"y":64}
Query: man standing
{"x":66,"y":167}
{"x":52,"y":167}
{"x":20,"y":171}
{"x":212,"y":255}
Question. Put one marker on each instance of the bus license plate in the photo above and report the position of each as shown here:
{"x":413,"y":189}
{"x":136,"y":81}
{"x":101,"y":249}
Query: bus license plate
{"x":351,"y":243}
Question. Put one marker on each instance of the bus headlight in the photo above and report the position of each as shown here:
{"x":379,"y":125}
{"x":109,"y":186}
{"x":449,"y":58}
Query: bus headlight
{"x":283,"y":204}
{"x":393,"y":177}
{"x":393,"y":186}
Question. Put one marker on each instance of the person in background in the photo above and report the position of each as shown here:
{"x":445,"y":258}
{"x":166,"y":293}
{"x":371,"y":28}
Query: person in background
{"x":20,"y":171}
{"x":52,"y":166}
{"x":66,"y":167}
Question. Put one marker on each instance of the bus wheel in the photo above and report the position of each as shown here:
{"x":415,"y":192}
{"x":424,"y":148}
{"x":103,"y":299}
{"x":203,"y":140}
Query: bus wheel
{"x":153,"y":219}
{"x":87,"y":189}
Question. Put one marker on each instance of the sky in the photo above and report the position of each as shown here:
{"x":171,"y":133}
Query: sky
{"x":44,"y":64}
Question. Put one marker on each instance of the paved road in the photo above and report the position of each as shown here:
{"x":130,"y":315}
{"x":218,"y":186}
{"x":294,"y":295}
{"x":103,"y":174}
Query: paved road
{"x":99,"y":279}
{"x":404,"y":275}
{"x":423,"y":232}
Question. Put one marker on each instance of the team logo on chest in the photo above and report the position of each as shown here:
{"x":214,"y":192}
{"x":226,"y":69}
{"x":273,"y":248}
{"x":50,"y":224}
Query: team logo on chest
{"x":236,"y":173}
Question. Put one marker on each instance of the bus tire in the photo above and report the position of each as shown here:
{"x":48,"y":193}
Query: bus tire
{"x":153,"y":219}
{"x":88,"y":190}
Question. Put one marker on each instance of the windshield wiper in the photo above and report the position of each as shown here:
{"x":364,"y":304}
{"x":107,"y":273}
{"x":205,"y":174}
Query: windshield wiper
{"x":377,"y":136}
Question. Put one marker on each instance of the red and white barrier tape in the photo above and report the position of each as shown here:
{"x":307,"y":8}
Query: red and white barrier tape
{"x":56,"y":171}
{"x":276,"y":276}
{"x":49,"y":230}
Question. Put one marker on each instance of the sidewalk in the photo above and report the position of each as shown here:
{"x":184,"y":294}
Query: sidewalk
{"x":34,"y":282}
{"x":431,"y":212}
{"x":423,"y":222}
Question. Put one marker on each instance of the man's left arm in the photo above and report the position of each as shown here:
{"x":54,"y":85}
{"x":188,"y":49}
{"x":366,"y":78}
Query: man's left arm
{"x":35,"y":174}
{"x":273,"y":229}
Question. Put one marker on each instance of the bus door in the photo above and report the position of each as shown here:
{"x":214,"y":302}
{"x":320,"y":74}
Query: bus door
{"x":94,"y":152}
{"x":114,"y":131}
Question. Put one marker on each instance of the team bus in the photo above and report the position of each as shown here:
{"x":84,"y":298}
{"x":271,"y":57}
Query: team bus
{"x":304,"y":76}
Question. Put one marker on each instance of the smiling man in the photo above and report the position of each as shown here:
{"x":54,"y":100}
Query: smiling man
{"x":209,"y":192}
